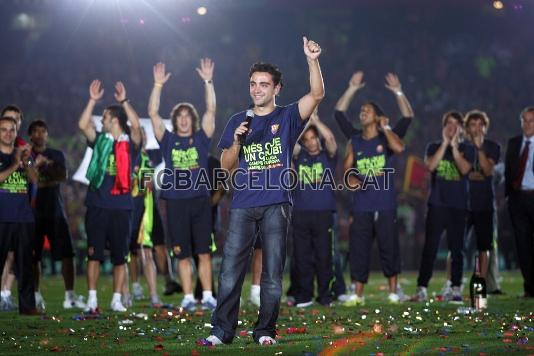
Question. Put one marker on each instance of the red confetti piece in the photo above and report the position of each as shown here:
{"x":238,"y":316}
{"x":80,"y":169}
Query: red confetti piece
{"x":55,"y":349}
{"x":293,"y":330}
{"x":507,"y":340}
{"x":158,"y":347}
{"x":195,"y":353}
{"x":158,"y":338}
{"x":243,"y":333}
{"x":508,"y":334}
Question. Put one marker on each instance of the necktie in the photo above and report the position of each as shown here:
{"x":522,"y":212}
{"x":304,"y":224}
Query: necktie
{"x":516,"y":184}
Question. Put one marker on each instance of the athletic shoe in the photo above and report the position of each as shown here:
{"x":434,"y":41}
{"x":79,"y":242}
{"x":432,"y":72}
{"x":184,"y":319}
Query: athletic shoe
{"x":127,"y":300}
{"x":156,"y":302}
{"x":189,"y":304}
{"x":137,"y":291}
{"x":7,"y":304}
{"x":290,"y":301}
{"x":211,"y":340}
{"x":172,"y":287}
{"x":456,"y":297}
{"x":421,"y":295}
{"x":74,"y":302}
{"x":393,"y":298}
{"x":266,"y":340}
{"x":209,"y":303}
{"x":355,"y":300}
{"x":446,"y":292}
{"x":117,"y":306}
{"x":304,"y":304}
{"x":343,"y":298}
{"x":91,"y":306}
{"x":254,"y":299}
{"x":39,"y":301}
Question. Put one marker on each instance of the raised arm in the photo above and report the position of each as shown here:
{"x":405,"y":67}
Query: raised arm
{"x":309,"y":102}
{"x":206,"y":73}
{"x":394,"y":142}
{"x":348,"y":163}
{"x":160,"y":78}
{"x":326,"y":134}
{"x":133,"y":118}
{"x":394,"y":85}
{"x":85,"y":123}
{"x":355,"y":84}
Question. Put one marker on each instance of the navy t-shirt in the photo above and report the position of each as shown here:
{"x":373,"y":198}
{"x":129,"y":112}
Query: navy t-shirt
{"x":481,"y":190}
{"x":185,"y":155}
{"x":14,"y":199}
{"x":374,"y":161}
{"x":265,"y":157}
{"x":49,"y":203}
{"x":102,"y":197}
{"x":449,"y":188}
{"x":310,"y":170}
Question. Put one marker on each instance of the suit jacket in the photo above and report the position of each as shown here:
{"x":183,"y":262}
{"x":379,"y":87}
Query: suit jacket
{"x":512,"y":162}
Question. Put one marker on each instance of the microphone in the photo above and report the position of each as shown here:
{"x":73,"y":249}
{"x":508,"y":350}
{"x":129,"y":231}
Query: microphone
{"x":243,"y":136}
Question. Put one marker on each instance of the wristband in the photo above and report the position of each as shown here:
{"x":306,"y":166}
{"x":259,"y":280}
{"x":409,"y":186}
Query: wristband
{"x":125,"y":101}
{"x":398,"y":93}
{"x":208,"y":81}
{"x":158,"y":85}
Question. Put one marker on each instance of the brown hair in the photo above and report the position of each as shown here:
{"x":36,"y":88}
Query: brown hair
{"x":476,"y":115}
{"x":192,"y":111}
{"x":456,"y":115}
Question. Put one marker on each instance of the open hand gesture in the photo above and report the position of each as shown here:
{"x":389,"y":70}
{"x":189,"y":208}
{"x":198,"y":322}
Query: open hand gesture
{"x":120,"y":92}
{"x":393,"y":83}
{"x":95,"y":90}
{"x":206,"y":69}
{"x":160,"y":77}
{"x":311,"y":49}
{"x":356,"y":81}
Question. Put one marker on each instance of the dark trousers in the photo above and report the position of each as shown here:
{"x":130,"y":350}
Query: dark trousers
{"x":312,"y":238}
{"x":273,"y":221}
{"x":365,"y":226}
{"x":521,"y":208}
{"x":439,"y":219}
{"x":18,"y":237}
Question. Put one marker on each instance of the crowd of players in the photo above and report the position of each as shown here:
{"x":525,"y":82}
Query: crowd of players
{"x":123,"y":214}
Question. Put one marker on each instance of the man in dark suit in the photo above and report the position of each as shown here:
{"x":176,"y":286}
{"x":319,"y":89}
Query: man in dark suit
{"x":519,"y":176}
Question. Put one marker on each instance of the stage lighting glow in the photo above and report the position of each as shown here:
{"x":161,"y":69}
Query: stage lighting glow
{"x":202,"y":11}
{"x":498,"y":5}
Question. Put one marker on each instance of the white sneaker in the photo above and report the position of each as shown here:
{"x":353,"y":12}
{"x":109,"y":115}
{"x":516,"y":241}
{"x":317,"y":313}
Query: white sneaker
{"x":254,"y":299}
{"x":126,"y":300}
{"x":266,"y":340}
{"x":304,"y":304}
{"x":92,"y":305}
{"x":343,"y":298}
{"x":393,"y":298}
{"x":189,"y":304}
{"x":354,"y":300}
{"x":209,"y":303}
{"x":214,"y":340}
{"x":137,"y":291}
{"x":39,"y":301}
{"x":117,"y":306}
{"x":421,"y":295}
{"x":74,"y":302}
{"x":446,"y":291}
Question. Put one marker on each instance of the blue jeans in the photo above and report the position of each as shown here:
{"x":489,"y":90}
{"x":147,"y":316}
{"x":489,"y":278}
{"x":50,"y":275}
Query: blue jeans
{"x":273,"y":221}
